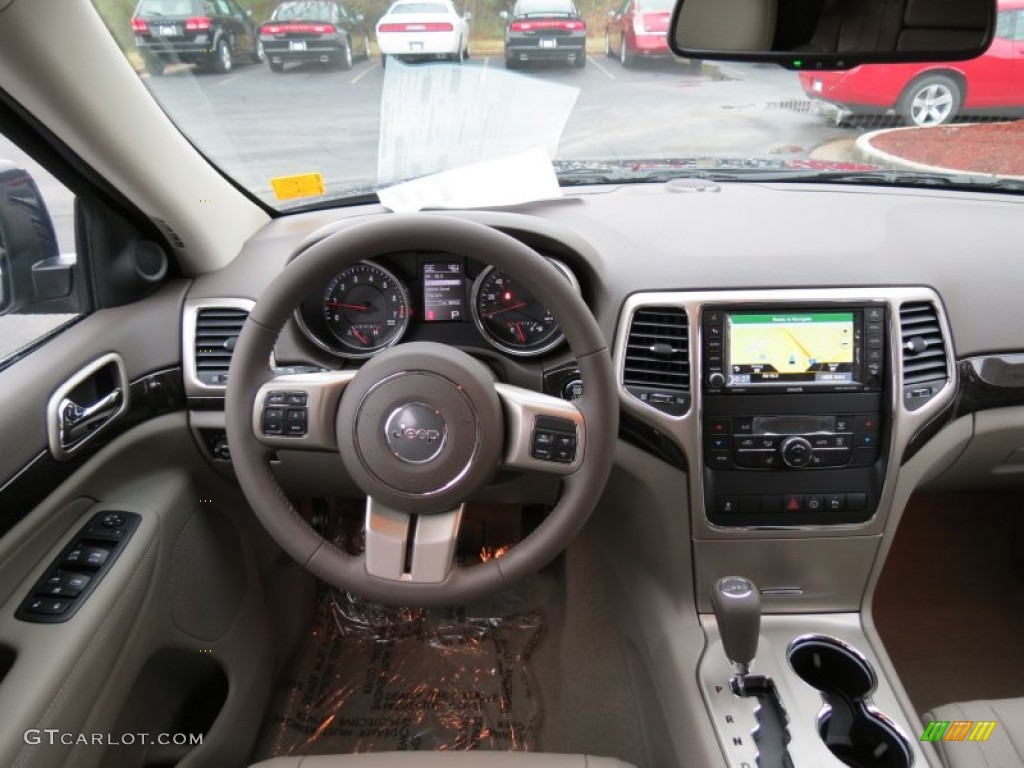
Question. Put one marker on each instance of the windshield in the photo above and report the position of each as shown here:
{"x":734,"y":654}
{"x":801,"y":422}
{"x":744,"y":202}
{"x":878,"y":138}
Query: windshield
{"x":303,"y":11}
{"x":165,"y":7}
{"x":323,"y":114}
{"x":418,"y":8}
{"x":527,"y":7}
{"x":655,"y":6}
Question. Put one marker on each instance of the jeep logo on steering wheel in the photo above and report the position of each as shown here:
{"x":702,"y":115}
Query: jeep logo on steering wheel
{"x":415,"y":433}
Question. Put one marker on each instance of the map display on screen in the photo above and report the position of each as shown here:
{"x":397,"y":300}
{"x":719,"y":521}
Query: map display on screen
{"x":790,"y":347}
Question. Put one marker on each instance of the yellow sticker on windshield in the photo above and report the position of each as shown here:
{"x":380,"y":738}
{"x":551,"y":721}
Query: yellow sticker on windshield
{"x":303,"y":185}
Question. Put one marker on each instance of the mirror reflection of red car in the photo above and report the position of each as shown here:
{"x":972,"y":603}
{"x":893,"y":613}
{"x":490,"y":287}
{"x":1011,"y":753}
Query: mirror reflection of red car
{"x":933,"y":94}
{"x":638,"y":29}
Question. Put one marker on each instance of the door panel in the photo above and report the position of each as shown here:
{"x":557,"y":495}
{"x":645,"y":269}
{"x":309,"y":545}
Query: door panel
{"x":186,"y":594}
{"x":146,"y":335}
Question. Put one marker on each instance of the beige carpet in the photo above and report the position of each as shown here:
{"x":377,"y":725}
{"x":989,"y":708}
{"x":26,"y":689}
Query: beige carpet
{"x":950,"y":604}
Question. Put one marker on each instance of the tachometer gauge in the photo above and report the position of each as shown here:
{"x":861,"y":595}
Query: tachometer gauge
{"x":510,"y":318}
{"x":366,"y":309}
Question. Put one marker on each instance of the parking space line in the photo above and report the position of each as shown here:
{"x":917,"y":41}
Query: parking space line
{"x":487,"y":60}
{"x":600,"y":66}
{"x":369,"y":68}
{"x":226,"y":80}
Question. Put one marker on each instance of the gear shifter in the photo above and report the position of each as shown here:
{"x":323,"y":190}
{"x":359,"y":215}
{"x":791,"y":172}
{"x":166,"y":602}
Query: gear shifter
{"x":737,"y":606}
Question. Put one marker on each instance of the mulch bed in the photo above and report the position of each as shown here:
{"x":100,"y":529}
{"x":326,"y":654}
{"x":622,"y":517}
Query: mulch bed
{"x":996,"y":148}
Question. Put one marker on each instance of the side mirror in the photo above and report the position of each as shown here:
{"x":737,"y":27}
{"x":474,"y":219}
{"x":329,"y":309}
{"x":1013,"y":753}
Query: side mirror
{"x":503,"y":14}
{"x":833,"y":34}
{"x":248,"y":14}
{"x":31,"y":267}
{"x":467,"y":15}
{"x":360,"y":16}
{"x":612,"y":13}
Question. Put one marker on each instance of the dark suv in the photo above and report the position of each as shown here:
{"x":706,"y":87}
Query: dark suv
{"x":545,"y":30}
{"x":314,"y":30}
{"x":212,"y":34}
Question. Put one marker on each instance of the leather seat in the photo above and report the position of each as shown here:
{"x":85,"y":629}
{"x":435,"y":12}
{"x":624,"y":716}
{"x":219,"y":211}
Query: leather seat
{"x":1004,"y":747}
{"x":444,"y":760}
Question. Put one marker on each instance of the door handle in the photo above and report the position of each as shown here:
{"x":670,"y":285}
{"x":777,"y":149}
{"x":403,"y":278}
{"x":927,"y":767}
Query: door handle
{"x":78,"y":421}
{"x":86,"y":404}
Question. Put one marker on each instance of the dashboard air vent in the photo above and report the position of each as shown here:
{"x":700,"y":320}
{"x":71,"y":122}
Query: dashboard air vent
{"x":923,"y":351}
{"x":217,"y":330}
{"x":656,"y":363}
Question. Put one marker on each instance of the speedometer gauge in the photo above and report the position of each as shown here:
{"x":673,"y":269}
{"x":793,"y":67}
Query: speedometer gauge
{"x":366,"y":309}
{"x":510,"y":318}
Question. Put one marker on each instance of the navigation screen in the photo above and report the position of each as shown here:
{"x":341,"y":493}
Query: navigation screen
{"x":444,"y":291}
{"x":790,"y":348}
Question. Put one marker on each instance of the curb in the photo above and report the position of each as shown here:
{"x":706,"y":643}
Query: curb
{"x":865,"y":152}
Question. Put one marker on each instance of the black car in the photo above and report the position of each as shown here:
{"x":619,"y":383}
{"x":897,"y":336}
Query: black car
{"x":545,"y":30}
{"x":213,"y":34}
{"x":314,"y":30}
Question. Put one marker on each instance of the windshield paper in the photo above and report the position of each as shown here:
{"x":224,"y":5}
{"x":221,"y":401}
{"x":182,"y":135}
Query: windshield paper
{"x":434,"y":118}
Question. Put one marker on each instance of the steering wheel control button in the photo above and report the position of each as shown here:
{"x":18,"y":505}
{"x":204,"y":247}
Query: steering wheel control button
{"x":543,"y":444}
{"x":295,"y":422}
{"x":285,"y":414}
{"x":554,"y":439}
{"x":273,"y":421}
{"x":416,"y":433}
{"x":70,"y":579}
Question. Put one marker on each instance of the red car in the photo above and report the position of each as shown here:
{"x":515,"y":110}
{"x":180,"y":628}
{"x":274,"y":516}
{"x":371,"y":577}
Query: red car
{"x":932,"y":94}
{"x":638,"y":29}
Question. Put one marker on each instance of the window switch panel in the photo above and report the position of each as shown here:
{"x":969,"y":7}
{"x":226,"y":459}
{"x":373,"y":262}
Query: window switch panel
{"x":71,"y":578}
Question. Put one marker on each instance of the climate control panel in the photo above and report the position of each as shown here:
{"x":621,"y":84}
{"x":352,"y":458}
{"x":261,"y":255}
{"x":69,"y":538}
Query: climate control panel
{"x":792,"y":441}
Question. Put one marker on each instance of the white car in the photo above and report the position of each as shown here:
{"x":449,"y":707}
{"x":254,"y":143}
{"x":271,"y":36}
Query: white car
{"x":418,"y":29}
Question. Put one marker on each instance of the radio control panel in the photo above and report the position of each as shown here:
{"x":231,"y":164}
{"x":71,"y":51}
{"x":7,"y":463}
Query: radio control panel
{"x":794,"y":423}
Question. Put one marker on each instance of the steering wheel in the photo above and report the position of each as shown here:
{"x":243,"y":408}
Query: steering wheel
{"x":420,"y":427}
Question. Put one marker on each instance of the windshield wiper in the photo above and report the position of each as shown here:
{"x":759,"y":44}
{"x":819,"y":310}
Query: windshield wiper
{"x":766,"y":170}
{"x":572,"y":173}
{"x":899,"y":178}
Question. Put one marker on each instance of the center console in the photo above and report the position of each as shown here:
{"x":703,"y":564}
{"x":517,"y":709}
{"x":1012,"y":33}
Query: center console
{"x":794,"y":425}
{"x":799,"y":415}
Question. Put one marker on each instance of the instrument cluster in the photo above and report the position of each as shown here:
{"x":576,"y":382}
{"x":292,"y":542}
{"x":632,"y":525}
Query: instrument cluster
{"x":373,"y":305}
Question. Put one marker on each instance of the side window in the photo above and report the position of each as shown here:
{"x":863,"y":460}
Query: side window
{"x":625,"y":7}
{"x":1017,"y":33}
{"x":223,"y":8}
{"x":1005,"y":24}
{"x":339,"y":12}
{"x":41,"y":284}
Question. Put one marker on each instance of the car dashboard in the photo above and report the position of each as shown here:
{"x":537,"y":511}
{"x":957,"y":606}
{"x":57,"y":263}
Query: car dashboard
{"x":791,"y":472}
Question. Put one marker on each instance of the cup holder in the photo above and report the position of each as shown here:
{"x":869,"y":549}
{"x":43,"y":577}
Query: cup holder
{"x":854,"y":731}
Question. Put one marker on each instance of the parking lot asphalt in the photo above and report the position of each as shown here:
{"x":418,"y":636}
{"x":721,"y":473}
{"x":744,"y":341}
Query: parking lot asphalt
{"x":261,"y":124}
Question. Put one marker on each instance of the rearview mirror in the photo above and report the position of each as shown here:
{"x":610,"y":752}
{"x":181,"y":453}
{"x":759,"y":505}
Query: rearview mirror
{"x":832,"y":34}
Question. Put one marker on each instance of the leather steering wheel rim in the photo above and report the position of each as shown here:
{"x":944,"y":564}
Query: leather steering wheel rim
{"x":250,"y":370}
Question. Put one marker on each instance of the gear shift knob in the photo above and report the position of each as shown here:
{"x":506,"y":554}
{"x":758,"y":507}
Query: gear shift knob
{"x":737,"y":606}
